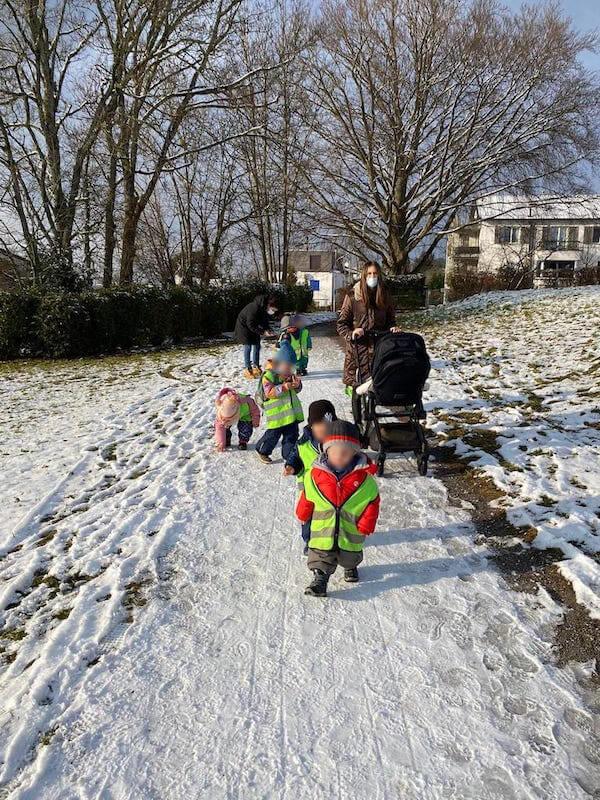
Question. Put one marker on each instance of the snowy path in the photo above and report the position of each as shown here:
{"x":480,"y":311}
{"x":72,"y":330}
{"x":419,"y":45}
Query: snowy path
{"x":190,"y":665}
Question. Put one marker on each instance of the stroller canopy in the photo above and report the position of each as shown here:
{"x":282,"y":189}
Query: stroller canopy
{"x":400,"y":368}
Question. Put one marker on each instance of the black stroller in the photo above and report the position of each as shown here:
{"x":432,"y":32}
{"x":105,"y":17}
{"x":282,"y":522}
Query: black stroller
{"x":399,"y":370}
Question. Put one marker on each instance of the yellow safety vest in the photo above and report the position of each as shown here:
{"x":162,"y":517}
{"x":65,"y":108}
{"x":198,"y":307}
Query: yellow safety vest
{"x":330,"y":524}
{"x":283,"y":410}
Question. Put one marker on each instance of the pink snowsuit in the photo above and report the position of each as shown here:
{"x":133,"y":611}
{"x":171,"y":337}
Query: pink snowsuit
{"x":238,"y":409}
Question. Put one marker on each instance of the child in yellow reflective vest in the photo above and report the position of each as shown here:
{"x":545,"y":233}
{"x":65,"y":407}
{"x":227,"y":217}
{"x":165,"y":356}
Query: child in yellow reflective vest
{"x":278,"y":395}
{"x":294,"y":331}
{"x":321,"y":414}
{"x":340,"y":498}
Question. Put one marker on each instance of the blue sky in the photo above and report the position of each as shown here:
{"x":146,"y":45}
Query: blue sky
{"x":585,"y":16}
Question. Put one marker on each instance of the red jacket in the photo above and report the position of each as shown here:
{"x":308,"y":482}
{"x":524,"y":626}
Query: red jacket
{"x":338,"y":491}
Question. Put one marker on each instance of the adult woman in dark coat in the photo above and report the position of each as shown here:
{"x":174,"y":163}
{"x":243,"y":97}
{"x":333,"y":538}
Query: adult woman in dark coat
{"x":252,"y":322}
{"x":367,"y":308}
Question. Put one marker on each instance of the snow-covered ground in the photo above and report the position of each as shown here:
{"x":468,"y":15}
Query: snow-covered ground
{"x":517,"y":389}
{"x":157,"y":643}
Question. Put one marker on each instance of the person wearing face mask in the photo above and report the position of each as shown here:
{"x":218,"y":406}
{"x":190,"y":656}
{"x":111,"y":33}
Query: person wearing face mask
{"x":254,"y":321}
{"x":367,"y":308}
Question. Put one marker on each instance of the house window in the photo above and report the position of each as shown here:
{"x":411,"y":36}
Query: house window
{"x":507,"y":234}
{"x":595,"y":235}
{"x":560,"y":237}
{"x":315,"y":263}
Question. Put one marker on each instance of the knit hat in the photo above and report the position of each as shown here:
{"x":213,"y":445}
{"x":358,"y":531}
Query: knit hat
{"x":321,"y":411}
{"x":285,"y":354}
{"x":285,"y":321}
{"x":344,"y":433}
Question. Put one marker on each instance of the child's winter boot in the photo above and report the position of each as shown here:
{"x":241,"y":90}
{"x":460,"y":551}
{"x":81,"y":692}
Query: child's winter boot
{"x":264,"y":458}
{"x":351,"y":575}
{"x":256,"y":371}
{"x":318,"y":585}
{"x":243,"y":446}
{"x":249,"y":374}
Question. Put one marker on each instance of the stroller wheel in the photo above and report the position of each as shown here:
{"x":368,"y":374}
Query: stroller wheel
{"x":422,"y":464}
{"x":380,"y":466}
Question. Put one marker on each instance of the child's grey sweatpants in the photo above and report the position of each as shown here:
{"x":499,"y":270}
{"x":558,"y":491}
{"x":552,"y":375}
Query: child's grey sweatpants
{"x":328,"y":560}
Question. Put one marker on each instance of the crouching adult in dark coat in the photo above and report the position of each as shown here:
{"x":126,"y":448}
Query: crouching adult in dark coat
{"x":252,"y":322}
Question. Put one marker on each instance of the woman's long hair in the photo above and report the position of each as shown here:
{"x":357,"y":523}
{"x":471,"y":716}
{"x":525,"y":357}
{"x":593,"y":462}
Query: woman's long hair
{"x":378,"y":297}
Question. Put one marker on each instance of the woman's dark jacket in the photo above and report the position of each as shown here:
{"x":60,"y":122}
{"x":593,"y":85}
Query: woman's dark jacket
{"x":356,"y":314}
{"x":252,"y":321}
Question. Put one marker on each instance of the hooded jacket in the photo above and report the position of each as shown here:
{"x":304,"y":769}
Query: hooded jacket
{"x":248,"y":412}
{"x":252,"y":321}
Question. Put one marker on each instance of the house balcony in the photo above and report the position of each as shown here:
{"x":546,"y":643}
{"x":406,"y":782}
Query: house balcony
{"x":555,"y":246}
{"x":466,"y":252}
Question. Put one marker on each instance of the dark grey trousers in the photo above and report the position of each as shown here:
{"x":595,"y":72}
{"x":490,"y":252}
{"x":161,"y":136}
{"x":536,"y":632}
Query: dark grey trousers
{"x":328,"y":560}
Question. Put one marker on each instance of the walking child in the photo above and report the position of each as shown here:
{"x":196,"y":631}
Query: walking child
{"x":278,"y":395}
{"x":321,"y":414}
{"x":340,"y":499}
{"x":238,"y":409}
{"x":294,"y":331}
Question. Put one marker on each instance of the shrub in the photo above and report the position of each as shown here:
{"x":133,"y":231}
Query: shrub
{"x":587,"y":276}
{"x":514,"y":276}
{"x":17,"y":312}
{"x":436,"y":281}
{"x":466,"y":282}
{"x":63,"y":325}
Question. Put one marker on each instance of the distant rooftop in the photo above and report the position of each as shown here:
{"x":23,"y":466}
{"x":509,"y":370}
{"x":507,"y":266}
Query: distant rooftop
{"x":503,"y":206}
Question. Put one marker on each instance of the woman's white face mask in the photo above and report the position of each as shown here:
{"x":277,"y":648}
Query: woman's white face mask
{"x":372,"y":281}
{"x":271,"y":311}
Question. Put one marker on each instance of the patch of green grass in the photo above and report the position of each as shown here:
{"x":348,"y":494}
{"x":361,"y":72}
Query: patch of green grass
{"x":46,"y":738}
{"x":482,"y":439}
{"x":509,"y":466}
{"x":62,"y":614}
{"x":13,"y":634}
{"x":47,"y":537}
{"x":51,"y":581}
{"x":134,"y":596}
{"x":109,"y":453}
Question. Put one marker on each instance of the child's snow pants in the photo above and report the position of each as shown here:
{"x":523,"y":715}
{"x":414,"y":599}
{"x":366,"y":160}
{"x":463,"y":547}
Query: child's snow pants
{"x":327,"y":561}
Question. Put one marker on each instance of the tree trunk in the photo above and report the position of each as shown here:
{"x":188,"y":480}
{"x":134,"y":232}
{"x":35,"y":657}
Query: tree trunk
{"x":109,"y":221}
{"x":128,"y":248}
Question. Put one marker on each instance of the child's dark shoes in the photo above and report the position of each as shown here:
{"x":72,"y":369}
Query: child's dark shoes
{"x":351,"y":575}
{"x":318,"y":586}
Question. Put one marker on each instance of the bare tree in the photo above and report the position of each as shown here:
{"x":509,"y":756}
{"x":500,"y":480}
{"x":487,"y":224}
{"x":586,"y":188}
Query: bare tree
{"x":53,"y":105}
{"x":170,"y":49}
{"x":272,"y":102}
{"x":424,"y":105}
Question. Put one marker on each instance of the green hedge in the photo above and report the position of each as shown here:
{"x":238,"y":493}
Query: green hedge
{"x":66,"y":324}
